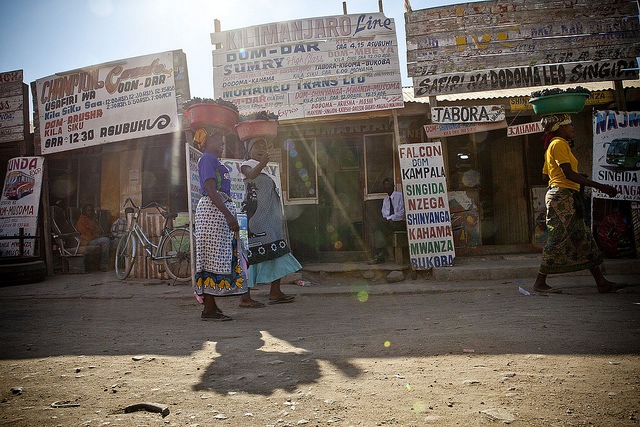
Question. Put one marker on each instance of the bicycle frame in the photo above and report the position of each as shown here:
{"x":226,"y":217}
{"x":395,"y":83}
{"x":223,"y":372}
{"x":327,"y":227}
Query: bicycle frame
{"x":152,"y":249}
{"x":173,"y":250}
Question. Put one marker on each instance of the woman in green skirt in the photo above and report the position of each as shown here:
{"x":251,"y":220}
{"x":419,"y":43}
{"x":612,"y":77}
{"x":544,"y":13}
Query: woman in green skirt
{"x":570,"y":245}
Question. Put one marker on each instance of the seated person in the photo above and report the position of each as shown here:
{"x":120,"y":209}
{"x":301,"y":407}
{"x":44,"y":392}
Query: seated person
{"x":91,"y":235}
{"x":393,"y":214}
{"x":119,"y":228}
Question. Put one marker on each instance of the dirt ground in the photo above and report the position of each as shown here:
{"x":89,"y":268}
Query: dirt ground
{"x":77,"y":350}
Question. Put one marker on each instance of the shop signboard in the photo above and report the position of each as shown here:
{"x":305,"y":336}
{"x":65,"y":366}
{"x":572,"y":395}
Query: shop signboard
{"x":453,"y":129}
{"x":116,"y":101}
{"x":468,"y":114}
{"x":484,"y":46}
{"x":524,"y":129}
{"x":424,"y":186}
{"x":19,"y":204}
{"x":310,"y":67}
{"x":12,"y":106}
{"x":522,"y":77}
{"x":616,"y":152}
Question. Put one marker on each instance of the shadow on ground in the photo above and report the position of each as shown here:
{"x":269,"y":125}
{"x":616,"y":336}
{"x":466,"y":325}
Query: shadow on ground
{"x":288,"y":345}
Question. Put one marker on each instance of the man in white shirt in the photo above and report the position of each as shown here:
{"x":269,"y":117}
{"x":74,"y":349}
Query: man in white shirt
{"x":393,"y":213}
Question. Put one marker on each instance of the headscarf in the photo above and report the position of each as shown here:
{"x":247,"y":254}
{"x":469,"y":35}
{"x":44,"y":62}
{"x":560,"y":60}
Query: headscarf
{"x":249,"y":143}
{"x":200,"y":138}
{"x":201,"y":135}
{"x":550,"y":124}
{"x":553,"y":123}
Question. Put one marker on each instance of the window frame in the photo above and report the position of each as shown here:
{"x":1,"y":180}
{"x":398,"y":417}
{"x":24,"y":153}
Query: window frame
{"x":369,"y":195}
{"x":288,"y":200}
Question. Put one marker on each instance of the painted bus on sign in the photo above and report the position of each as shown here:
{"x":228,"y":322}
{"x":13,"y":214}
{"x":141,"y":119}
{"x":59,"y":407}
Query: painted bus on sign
{"x":624,"y":152}
{"x":18,"y":185}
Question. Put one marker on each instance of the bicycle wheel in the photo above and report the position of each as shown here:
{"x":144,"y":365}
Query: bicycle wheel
{"x":176,"y":251}
{"x":125,"y":255}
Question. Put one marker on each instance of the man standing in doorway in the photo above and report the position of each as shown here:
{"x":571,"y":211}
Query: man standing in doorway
{"x":393,"y":214}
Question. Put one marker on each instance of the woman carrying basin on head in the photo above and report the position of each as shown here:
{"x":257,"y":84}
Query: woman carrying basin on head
{"x":269,"y":256}
{"x":570,"y":245}
{"x":218,"y":270}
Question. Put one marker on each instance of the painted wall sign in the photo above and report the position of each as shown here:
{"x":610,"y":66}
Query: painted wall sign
{"x":424,"y":186}
{"x":12,"y":112}
{"x":126,"y":99}
{"x":527,"y":76}
{"x":525,"y":128}
{"x":616,"y":152}
{"x":468,"y":114}
{"x":444,"y":130}
{"x":310,"y":67}
{"x":486,"y":45}
{"x":465,"y":220}
{"x":19,"y":204}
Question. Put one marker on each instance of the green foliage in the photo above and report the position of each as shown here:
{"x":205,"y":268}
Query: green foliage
{"x":260,"y":115}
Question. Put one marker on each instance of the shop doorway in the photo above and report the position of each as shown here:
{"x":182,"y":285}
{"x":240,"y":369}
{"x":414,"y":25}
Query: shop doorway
{"x":509,"y":191}
{"x":340,"y":195}
{"x":487,"y":170}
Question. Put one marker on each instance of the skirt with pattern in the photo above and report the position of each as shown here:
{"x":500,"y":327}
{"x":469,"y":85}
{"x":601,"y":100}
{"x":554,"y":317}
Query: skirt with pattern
{"x":218,"y":268}
{"x":570,"y":245}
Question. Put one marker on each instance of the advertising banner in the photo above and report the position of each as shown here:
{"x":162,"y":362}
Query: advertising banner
{"x":310,"y":67}
{"x":616,"y":153}
{"x":424,"y":185}
{"x":126,"y":99}
{"x":19,"y":204}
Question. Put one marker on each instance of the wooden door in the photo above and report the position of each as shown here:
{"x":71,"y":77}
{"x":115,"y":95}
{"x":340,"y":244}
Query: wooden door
{"x":509,"y":190}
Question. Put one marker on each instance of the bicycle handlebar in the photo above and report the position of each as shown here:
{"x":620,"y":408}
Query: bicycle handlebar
{"x":163,"y":211}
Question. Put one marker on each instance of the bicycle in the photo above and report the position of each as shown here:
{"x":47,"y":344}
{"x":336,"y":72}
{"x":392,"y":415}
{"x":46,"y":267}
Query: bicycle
{"x":173,"y":249}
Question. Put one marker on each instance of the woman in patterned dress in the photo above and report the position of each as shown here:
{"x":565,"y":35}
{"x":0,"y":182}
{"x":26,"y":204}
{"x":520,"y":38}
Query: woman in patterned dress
{"x":268,"y":255}
{"x":570,"y":245}
{"x":218,"y":270}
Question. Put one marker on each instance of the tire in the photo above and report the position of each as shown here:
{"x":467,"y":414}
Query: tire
{"x":22,"y":273}
{"x":176,"y":251}
{"x":125,"y":255}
